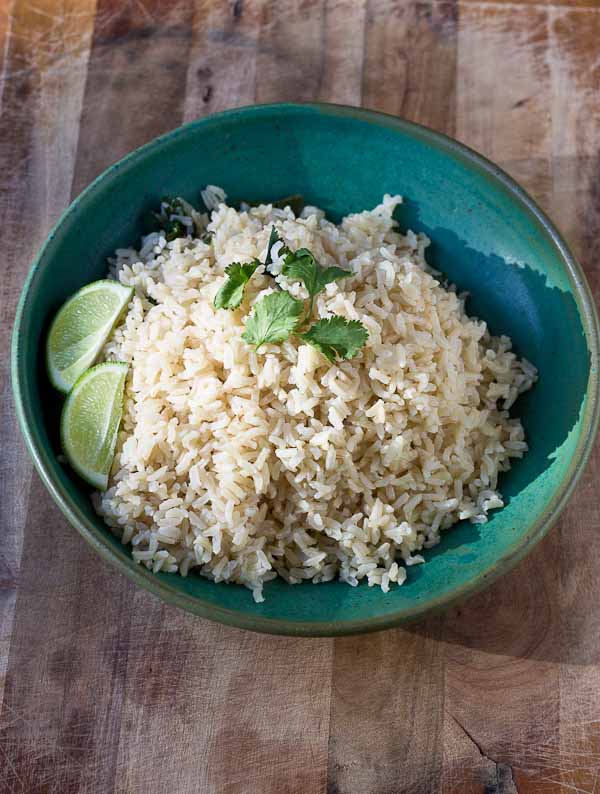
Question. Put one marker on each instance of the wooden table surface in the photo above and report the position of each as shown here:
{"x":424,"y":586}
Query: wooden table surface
{"x":103,"y":688}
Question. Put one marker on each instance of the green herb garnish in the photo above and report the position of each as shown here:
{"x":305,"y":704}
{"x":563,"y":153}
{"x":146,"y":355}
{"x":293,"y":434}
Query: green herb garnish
{"x":277,"y":316}
{"x":274,"y":318}
{"x":232,"y":292}
{"x":171,"y":205}
{"x":336,"y":336}
{"x":274,"y":238}
{"x":301,"y":266}
{"x":295,"y":202}
{"x":172,"y":228}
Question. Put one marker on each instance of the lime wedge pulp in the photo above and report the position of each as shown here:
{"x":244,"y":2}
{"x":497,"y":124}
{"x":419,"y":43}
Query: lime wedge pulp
{"x":80,"y":329}
{"x":90,"y":421}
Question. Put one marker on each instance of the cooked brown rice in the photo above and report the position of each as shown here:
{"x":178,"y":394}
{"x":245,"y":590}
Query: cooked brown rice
{"x":244,"y":465}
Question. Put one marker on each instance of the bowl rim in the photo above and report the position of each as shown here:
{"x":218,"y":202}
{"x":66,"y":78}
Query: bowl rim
{"x":44,"y":463}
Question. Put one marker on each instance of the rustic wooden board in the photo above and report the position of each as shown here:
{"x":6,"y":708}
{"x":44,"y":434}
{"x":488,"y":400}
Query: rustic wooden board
{"x":103,"y":688}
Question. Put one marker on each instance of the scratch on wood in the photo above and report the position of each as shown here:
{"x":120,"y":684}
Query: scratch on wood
{"x":568,"y":786}
{"x":145,"y":11}
{"x":504,"y":782}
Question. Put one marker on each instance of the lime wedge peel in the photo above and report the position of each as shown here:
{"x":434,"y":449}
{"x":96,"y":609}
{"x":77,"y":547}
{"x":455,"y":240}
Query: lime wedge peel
{"x":81,"y":328}
{"x":90,"y":421}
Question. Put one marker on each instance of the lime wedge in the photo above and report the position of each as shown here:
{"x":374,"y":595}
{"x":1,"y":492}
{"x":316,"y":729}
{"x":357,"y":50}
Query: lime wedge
{"x":80,"y":329}
{"x":90,"y":421}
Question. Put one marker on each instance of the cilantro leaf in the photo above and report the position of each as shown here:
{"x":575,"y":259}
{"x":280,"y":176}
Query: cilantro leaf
{"x":295,"y":202}
{"x":302,"y":266}
{"x":231,"y":293}
{"x":274,"y":238}
{"x":274,"y":318}
{"x":173,"y":228}
{"x":336,"y":336}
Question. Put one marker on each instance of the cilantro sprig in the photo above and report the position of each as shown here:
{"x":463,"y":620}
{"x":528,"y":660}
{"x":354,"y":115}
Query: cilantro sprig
{"x":279,"y":315}
{"x":172,"y":227}
{"x":273,"y":238}
{"x":301,"y":266}
{"x":274,"y":318}
{"x":336,"y":336}
{"x":238,"y":275}
{"x":232,"y":292}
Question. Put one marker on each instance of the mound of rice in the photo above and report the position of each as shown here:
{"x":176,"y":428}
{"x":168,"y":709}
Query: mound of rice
{"x":245,"y":465}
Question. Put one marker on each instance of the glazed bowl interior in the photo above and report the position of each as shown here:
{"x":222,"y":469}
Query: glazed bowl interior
{"x":488,"y":238}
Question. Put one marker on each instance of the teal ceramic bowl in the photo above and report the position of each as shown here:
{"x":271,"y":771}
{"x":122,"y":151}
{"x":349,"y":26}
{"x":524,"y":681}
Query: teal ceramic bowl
{"x":488,"y":236}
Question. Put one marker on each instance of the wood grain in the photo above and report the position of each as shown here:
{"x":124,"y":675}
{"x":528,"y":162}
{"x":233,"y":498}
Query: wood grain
{"x":410,"y":60}
{"x":104,"y":689}
{"x":43,"y":66}
{"x":387,"y":713}
{"x":406,"y":46}
{"x":576,"y":72}
{"x":505,"y":635}
{"x":222,"y":64}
